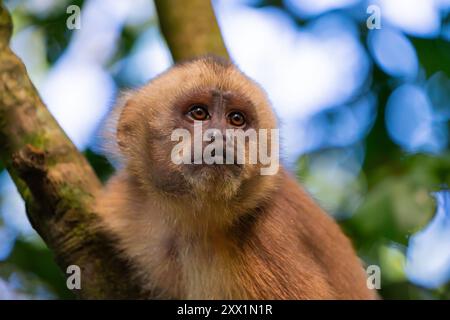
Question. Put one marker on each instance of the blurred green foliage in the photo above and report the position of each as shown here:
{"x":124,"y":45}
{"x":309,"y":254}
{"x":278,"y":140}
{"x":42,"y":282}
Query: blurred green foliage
{"x":391,"y":198}
{"x":34,"y":262}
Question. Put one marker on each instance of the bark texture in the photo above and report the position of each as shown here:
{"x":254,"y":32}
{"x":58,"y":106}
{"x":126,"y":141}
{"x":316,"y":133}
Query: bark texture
{"x":55,"y":180}
{"x":190,"y":28}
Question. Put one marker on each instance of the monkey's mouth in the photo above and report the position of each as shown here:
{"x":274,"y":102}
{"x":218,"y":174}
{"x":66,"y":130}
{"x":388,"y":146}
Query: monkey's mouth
{"x":218,"y":168}
{"x":219,"y":163}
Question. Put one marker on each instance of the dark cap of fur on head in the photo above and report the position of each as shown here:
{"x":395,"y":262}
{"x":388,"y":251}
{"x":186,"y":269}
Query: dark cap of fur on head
{"x":211,"y":60}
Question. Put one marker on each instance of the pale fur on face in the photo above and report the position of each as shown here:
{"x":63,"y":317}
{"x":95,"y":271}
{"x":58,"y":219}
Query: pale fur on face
{"x":146,"y":121}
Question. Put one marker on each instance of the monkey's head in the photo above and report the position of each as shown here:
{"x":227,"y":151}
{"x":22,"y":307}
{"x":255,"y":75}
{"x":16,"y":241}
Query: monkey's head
{"x":157,"y":135}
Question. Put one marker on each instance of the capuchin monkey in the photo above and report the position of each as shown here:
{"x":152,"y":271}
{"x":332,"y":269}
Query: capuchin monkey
{"x":216,"y":231}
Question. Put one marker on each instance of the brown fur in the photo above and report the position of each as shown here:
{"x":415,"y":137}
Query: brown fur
{"x":217,"y":233}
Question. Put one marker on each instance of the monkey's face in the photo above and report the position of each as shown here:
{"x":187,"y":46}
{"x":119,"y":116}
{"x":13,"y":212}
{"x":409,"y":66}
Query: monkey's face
{"x":197,"y":129}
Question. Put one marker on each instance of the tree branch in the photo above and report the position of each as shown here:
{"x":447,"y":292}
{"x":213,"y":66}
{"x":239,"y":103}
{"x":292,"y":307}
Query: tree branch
{"x":190,"y":28}
{"x":55,"y":180}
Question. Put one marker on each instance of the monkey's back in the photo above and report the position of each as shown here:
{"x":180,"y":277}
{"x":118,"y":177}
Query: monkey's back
{"x":301,"y":253}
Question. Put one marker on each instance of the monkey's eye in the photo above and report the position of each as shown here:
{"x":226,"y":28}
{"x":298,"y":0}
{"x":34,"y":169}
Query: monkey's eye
{"x":198,"y":112}
{"x":237,"y":119}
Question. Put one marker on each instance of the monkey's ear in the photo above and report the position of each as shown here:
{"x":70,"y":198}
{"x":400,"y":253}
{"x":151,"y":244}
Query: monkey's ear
{"x":127,"y":124}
